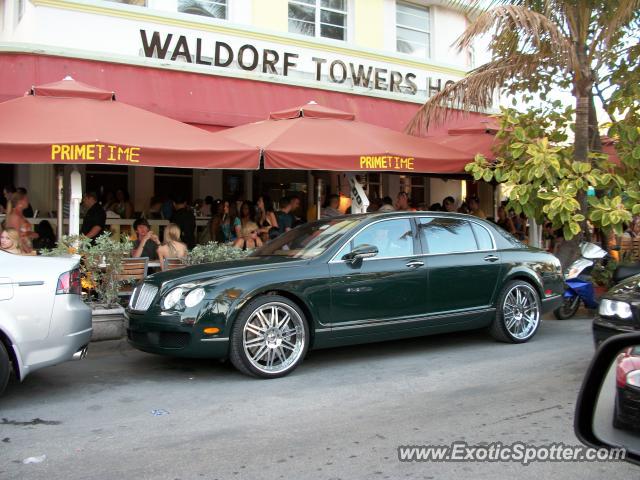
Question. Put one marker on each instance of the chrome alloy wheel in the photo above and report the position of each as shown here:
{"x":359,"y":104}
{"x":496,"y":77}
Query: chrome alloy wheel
{"x":521,"y":311}
{"x":274,"y":337}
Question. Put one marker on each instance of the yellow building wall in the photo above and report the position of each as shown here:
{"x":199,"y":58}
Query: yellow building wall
{"x":369,"y":23}
{"x":271,"y":14}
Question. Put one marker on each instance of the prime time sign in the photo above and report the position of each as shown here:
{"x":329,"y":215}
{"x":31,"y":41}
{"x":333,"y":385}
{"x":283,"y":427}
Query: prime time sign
{"x":279,"y":60}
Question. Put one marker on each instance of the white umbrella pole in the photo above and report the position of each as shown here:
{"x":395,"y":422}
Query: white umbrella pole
{"x":74,"y":208}
{"x":319,"y":199}
{"x":60,"y":229}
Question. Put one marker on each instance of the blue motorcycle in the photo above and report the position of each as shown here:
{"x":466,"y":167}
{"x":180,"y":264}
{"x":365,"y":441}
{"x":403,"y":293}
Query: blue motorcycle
{"x":578,"y":282}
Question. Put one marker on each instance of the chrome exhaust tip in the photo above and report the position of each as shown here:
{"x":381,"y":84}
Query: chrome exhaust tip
{"x":80,"y":354}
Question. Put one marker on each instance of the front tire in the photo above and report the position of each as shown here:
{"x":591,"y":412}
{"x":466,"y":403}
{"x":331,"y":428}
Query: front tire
{"x":5,"y":368}
{"x":518,"y":314}
{"x":568,"y":308}
{"x":269,"y":338}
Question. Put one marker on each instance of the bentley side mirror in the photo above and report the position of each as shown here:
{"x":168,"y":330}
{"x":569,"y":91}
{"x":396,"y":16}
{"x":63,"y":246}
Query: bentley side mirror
{"x":608,"y":408}
{"x":359,"y":253}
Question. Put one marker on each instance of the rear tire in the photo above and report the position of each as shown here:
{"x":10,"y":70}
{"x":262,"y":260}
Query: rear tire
{"x":568,"y":308}
{"x":5,"y":368}
{"x":270,"y":337}
{"x":518,"y":314}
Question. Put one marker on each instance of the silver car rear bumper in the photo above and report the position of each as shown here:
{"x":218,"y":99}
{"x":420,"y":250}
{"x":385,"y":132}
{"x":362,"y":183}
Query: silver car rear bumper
{"x":69,"y":335}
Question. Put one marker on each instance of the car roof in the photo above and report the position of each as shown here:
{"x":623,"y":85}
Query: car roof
{"x":417,"y":213}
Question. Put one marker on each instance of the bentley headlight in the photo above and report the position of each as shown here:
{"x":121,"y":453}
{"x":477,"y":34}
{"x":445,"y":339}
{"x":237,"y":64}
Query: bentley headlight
{"x":172,"y":298}
{"x":611,"y":308}
{"x":194,"y":297}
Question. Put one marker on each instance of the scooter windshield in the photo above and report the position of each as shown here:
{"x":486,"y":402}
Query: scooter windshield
{"x":592,"y":251}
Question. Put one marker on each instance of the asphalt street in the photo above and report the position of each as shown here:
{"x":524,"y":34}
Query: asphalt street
{"x":121,"y":413}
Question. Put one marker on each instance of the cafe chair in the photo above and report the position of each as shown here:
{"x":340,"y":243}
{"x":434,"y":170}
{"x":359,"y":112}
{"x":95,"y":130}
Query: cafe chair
{"x":133,"y":270}
{"x":173,"y":263}
{"x":630,"y":249}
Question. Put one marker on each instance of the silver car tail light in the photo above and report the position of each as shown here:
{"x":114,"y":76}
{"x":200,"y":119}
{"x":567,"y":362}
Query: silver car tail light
{"x":143,"y":296}
{"x":69,"y":283}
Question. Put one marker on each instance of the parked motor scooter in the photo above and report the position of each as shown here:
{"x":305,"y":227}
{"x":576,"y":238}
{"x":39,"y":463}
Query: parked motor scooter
{"x":578,"y":282}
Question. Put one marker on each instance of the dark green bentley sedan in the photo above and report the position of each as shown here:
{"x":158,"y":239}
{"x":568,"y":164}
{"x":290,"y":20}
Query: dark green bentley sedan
{"x":347,"y":280}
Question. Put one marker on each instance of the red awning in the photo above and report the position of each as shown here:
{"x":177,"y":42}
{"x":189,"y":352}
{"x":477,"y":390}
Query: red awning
{"x":478,"y":137}
{"x":71,"y":122}
{"x":470,"y":143}
{"x":316,"y":138}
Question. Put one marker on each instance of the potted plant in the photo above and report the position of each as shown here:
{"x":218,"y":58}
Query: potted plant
{"x":100,"y":265}
{"x":214,"y":252}
{"x":602,"y":275}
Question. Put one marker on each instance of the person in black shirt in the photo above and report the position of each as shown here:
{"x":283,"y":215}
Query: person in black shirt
{"x":95,"y":218}
{"x":185,"y":219}
{"x":147,"y":243}
{"x":284,"y":217}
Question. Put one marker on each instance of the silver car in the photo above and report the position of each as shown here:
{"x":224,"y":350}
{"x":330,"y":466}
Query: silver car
{"x":43,"y":320}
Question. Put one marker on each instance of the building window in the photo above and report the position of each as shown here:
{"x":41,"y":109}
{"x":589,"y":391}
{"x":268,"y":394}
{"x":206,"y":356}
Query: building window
{"x":372,"y":183}
{"x":169,"y":180}
{"x":417,"y":193}
{"x":139,"y":3}
{"x":413,"y":35}
{"x":206,"y":8}
{"x":106,"y":180}
{"x":319,"y":18}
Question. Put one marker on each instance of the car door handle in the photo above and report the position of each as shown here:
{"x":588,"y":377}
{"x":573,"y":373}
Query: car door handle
{"x":415,"y":264}
{"x":491,"y":258}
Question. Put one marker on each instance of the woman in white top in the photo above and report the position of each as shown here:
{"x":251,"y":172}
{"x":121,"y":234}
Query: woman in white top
{"x":171,"y":247}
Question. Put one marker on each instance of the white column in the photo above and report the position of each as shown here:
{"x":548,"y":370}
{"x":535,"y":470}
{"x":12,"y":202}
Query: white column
{"x":143,"y":187}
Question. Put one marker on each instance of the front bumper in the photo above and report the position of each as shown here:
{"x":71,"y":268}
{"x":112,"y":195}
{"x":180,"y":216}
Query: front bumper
{"x":604,"y":328}
{"x":161,"y":334}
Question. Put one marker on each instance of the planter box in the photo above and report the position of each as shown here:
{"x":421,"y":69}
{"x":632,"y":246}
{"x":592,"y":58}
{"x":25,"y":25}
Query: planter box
{"x":108,"y":324}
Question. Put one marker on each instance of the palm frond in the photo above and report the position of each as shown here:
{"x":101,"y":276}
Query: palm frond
{"x":531,"y":28}
{"x":473,"y":8}
{"x":617,"y":15}
{"x":476,"y":92}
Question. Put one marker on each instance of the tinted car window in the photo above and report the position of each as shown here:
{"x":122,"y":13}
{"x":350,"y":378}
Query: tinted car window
{"x":513,"y":241}
{"x":483,"y":237}
{"x":308,"y":240}
{"x":393,"y":238}
{"x":447,"y":235}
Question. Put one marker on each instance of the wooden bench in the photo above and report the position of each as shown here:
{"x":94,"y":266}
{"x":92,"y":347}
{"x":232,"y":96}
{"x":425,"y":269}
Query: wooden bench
{"x":173,"y":263}
{"x":133,"y":270}
{"x":629,"y":249}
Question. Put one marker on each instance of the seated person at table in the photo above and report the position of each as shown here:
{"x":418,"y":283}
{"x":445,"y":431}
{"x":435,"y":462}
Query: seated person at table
{"x":249,"y":239}
{"x":10,"y":241}
{"x":172,"y":247}
{"x":147,"y":243}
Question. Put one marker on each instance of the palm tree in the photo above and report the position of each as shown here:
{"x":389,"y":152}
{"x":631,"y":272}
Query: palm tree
{"x":536,"y":44}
